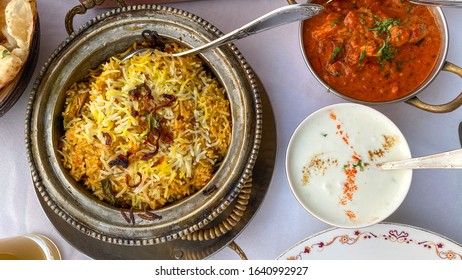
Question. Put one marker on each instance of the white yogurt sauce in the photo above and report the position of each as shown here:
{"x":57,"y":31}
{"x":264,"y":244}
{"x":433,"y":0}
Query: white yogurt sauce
{"x":329,"y":168}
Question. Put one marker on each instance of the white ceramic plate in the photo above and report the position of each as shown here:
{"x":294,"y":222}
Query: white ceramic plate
{"x":385,"y":241}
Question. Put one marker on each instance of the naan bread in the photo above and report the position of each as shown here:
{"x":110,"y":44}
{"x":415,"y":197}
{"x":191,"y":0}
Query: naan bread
{"x":10,"y":65}
{"x":17,"y":24}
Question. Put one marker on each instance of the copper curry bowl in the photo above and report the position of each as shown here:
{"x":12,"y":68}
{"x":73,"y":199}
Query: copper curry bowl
{"x":372,"y":54}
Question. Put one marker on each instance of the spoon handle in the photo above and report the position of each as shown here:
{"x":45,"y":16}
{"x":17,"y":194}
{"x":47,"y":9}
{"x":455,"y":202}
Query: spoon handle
{"x":284,"y":15}
{"x":442,"y":3}
{"x":451,"y":159}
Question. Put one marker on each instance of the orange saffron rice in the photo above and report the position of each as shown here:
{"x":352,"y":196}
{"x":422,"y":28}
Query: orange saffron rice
{"x":147,"y":131}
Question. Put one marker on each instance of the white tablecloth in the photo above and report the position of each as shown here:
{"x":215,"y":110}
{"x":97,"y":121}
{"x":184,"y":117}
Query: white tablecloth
{"x":434,"y":201}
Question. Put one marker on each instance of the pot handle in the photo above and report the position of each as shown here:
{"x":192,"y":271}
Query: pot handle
{"x":228,"y":224}
{"x":443,"y":108}
{"x":81,"y":9}
{"x":291,"y":2}
{"x":238,"y":250}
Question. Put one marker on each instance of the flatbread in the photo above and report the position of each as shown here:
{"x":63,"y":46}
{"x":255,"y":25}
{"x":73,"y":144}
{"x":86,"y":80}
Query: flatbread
{"x":17,"y":24}
{"x":10,"y":65}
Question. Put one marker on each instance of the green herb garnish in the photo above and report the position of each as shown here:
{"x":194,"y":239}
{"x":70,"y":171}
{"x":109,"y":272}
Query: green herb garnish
{"x":385,"y":25}
{"x":336,"y":51}
{"x":324,"y":134}
{"x":5,"y":53}
{"x":152,"y":122}
{"x":386,"y":52}
{"x":359,"y":164}
{"x":362,"y":56}
{"x":335,"y":22}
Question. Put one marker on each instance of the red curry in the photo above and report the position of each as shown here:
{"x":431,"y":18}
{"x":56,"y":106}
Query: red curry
{"x":372,"y":50}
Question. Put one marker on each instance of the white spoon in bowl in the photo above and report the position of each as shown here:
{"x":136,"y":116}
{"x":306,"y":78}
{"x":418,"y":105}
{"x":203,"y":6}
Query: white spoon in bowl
{"x":451,"y":159}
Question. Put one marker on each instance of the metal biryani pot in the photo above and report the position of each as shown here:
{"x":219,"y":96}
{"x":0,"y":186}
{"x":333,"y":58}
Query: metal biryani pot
{"x":412,"y":99}
{"x":92,"y":44}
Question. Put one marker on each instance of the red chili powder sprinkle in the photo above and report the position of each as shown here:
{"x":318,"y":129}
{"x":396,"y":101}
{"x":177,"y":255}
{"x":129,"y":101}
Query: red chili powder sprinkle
{"x":340,"y":131}
{"x":351,"y":215}
{"x":349,"y":187}
{"x":332,"y":115}
{"x":343,"y":134}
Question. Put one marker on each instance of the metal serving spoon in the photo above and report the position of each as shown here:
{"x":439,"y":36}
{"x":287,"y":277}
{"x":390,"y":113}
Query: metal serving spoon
{"x":445,"y":3}
{"x":281,"y":16}
{"x":451,"y":159}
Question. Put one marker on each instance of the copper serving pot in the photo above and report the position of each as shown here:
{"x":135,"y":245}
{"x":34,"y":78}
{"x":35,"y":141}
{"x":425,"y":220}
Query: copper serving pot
{"x":85,"y":49}
{"x":411,"y":98}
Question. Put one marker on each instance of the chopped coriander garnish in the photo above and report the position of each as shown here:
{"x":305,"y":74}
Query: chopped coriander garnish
{"x":324,"y":134}
{"x":335,"y":22}
{"x":359,"y":164}
{"x":362,"y":56}
{"x":385,"y":25}
{"x":5,"y":53}
{"x":385,"y":52}
{"x":336,"y":51}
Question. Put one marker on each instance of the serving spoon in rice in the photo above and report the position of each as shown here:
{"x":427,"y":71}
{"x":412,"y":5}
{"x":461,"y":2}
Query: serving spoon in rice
{"x":278,"y":17}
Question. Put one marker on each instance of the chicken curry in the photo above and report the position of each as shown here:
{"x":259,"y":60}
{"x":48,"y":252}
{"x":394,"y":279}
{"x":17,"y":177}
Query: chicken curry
{"x":372,"y":50}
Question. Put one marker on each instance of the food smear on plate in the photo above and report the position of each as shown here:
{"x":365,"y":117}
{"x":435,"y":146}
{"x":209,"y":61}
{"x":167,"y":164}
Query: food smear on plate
{"x":331,"y":162}
{"x":372,"y":50}
{"x":148,"y":131}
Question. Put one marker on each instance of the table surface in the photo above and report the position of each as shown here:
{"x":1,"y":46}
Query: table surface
{"x":433,"y":202}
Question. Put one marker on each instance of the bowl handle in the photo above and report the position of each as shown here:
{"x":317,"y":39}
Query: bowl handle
{"x":443,"y":108}
{"x":228,"y":223}
{"x":81,"y":9}
{"x":238,"y":250}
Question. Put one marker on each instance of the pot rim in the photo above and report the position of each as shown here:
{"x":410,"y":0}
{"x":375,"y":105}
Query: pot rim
{"x":45,"y":172}
{"x":442,"y":24}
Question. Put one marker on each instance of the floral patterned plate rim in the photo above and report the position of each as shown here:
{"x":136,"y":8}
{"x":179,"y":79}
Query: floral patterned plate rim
{"x":387,"y":241}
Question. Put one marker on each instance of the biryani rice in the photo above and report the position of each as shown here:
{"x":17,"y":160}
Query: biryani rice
{"x":147,"y":131}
